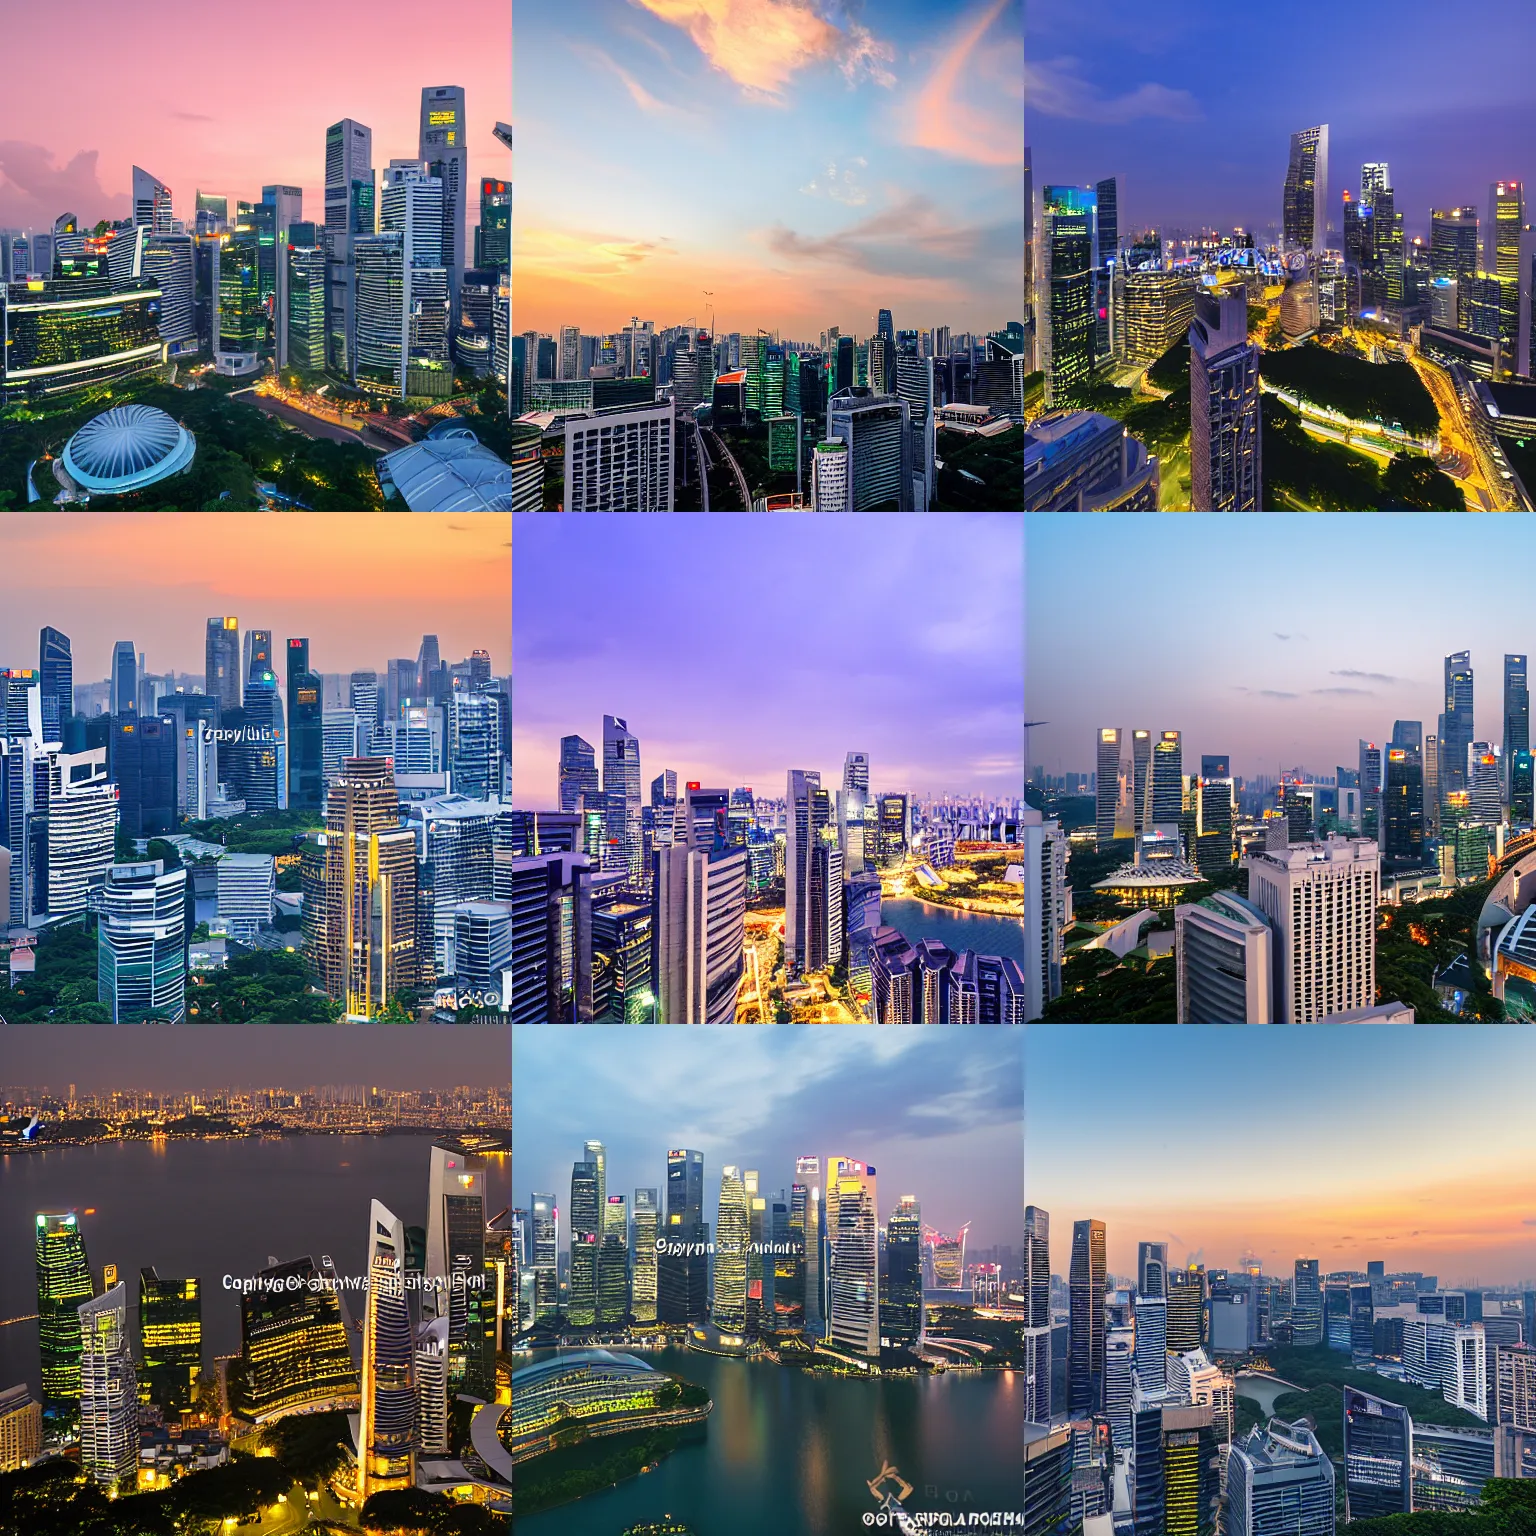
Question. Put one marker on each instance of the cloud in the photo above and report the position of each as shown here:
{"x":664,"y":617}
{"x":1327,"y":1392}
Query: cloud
{"x":910,"y":237}
{"x":1056,"y":88}
{"x":34,"y":190}
{"x":946,"y":117}
{"x":1354,"y":693}
{"x":1274,"y":693}
{"x":193,"y":117}
{"x":653,"y":106}
{"x":763,"y":44}
{"x":1370,"y":677}
{"x":1279,"y":636}
{"x":841,"y":186}
{"x":584,"y":256}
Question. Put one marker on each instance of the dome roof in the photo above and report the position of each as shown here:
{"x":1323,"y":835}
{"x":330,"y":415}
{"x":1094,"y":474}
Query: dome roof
{"x":126,"y":448}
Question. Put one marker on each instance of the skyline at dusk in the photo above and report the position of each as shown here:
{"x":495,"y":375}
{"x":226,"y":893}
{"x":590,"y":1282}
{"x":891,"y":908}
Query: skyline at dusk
{"x":75,"y":141}
{"x":937,"y":1111}
{"x":106,"y":1059}
{"x":360,"y":586}
{"x":786,"y":642}
{"x":1344,"y":1145}
{"x":1275,"y":666}
{"x":806,"y":162}
{"x":1172,"y":102}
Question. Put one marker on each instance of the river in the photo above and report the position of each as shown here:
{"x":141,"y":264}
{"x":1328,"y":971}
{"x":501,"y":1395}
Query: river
{"x":984,"y":932}
{"x":786,"y":1453}
{"x":205,"y":1208}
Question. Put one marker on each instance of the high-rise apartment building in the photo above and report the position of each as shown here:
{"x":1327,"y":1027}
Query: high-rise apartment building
{"x":1085,"y":1337}
{"x":1225,"y":428}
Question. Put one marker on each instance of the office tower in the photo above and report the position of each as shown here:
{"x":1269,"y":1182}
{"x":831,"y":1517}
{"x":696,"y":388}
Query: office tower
{"x":1279,"y":1483}
{"x":109,"y":1397}
{"x":729,"y":1311}
{"x":803,"y":796}
{"x":1151,"y":1314}
{"x":1150,"y":312}
{"x":1320,"y":901}
{"x":1081,"y":461}
{"x":1048,"y":1477}
{"x":141,"y":944}
{"x":621,"y":461}
{"x":1514,"y":1386}
{"x":63,"y":1282}
{"x":901,"y":1307}
{"x":646,"y":1227}
{"x":853,"y":1319}
{"x":877,"y":430}
{"x":171,"y":1339}
{"x":429,"y":1358}
{"x":830,"y":477}
{"x":238,"y":311}
{"x":1045,"y":909}
{"x":1402,"y":813}
{"x":1453,"y":243}
{"x":444,"y":149}
{"x":1151,"y":1269}
{"x":1185,"y":1298}
{"x":151,"y":202}
{"x":544,"y":1239}
{"x":1370,"y":790}
{"x":1119,"y":1347}
{"x":1306,"y":1305}
{"x":789,"y":1261}
{"x":1501,"y":236}
{"x":281,"y":208}
{"x":370,"y":890}
{"x":581,"y":1302}
{"x":1378,"y":1457}
{"x":221,"y":653}
{"x":613,"y":1261}
{"x":143,"y":757}
{"x":1110,"y":794}
{"x":807,"y":1196}
{"x":1225,"y":432}
{"x":1085,"y":1339}
{"x":306,"y":780}
{"x":1304,"y":214}
{"x":349,"y":184}
{"x":455,"y":1259}
{"x":493,"y":236}
{"x":55,"y":667}
{"x":698,"y":941}
{"x":621,"y":791}
{"x":1517,"y":713}
{"x":1065,"y":314}
{"x":915,"y":385}
{"x":21,"y":1429}
{"x":1165,"y":784}
{"x":386,"y":1431}
{"x":294,"y":1352}
{"x":169,"y":262}
{"x":683,"y":1277}
{"x":1172,"y":1467}
{"x":82,"y":823}
{"x":304,"y":320}
{"x":474,"y":745}
{"x":125,"y":678}
{"x":1456,"y":722}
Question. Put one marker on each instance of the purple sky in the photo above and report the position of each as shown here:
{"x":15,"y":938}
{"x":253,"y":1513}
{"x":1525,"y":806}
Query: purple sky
{"x":739,"y":647}
{"x":1279,"y":639}
{"x":228,"y":100}
{"x":1194,"y":104}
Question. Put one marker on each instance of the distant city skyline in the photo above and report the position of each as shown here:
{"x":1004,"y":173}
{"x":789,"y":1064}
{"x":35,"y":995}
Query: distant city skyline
{"x":937,"y":1111}
{"x":360,"y":586}
{"x":806,"y":162}
{"x":1184,"y":111}
{"x":74,"y":148}
{"x":1283,"y":1144}
{"x":105,"y":1058}
{"x":782,"y":643}
{"x":1295,"y":665}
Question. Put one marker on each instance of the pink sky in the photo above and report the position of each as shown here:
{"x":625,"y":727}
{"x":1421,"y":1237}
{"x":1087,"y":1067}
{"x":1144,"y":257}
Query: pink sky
{"x":229,"y":100}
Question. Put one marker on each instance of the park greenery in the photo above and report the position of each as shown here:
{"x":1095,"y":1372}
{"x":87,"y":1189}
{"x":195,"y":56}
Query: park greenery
{"x":1418,"y":938}
{"x":996,"y":462}
{"x":1389,"y":393}
{"x":1508,"y":1508}
{"x":414,"y":1512}
{"x":575,"y":1470}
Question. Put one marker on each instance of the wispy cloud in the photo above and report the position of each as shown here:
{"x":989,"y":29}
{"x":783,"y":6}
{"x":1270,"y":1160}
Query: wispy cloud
{"x":841,"y":186}
{"x":763,"y":44}
{"x":945,"y":117}
{"x":584,"y":256}
{"x":910,"y":237}
{"x":1369,"y":677}
{"x":1353,"y":693}
{"x":1279,"y":636}
{"x":1265,"y":693}
{"x":34,"y":189}
{"x":653,"y":106}
{"x":1056,"y":88}
{"x":193,"y":117}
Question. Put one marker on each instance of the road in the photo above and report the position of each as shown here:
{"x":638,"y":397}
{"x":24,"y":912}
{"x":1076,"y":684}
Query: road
{"x":316,"y":426}
{"x":741,"y":479}
{"x":1455,"y":434}
{"x":698,"y":436}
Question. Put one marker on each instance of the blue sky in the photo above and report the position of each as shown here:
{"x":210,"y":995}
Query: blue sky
{"x":739,"y":647}
{"x":1194,"y":104}
{"x":806,"y":161}
{"x":1339,"y":1143}
{"x":1280,"y":639}
{"x":938,"y":1111}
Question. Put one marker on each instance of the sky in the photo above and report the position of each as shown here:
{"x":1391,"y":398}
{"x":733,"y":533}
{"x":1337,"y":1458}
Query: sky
{"x":362,"y":586}
{"x":805,"y":162}
{"x":1195,"y":104}
{"x":103,"y":1059}
{"x":224,"y":100}
{"x":1280,"y":640}
{"x":740,"y":647}
{"x":937,"y":1111}
{"x":1343,"y":1144}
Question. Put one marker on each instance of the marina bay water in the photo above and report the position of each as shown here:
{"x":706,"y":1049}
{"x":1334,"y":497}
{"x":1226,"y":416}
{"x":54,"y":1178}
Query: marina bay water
{"x":786,"y":1453}
{"x":984,"y":932}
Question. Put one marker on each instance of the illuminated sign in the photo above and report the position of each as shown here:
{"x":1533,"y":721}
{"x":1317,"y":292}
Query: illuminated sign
{"x":1396,"y":755}
{"x":440,"y":119}
{"x":692,"y":784}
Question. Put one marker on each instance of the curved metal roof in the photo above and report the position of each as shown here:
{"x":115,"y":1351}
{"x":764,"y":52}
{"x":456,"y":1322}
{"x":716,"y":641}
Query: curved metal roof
{"x":451,"y":472}
{"x":126,"y":448}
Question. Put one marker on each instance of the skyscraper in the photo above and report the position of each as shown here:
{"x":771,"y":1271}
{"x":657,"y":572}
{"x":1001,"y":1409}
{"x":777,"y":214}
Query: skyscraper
{"x":444,"y":148}
{"x":613,"y":1261}
{"x":1378,"y":1457}
{"x":1280,"y":1483}
{"x":544,"y":1252}
{"x":621,"y":787}
{"x":1304,"y":214}
{"x":901,"y":1308}
{"x":1225,"y":430}
{"x":581,"y":1303}
{"x":386,"y":1432}
{"x":171,"y":1333}
{"x":1110,"y":791}
{"x":1456,"y":722}
{"x":1152,"y":1269}
{"x":141,"y":943}
{"x":1517,"y":716}
{"x":151,"y":202}
{"x":109,"y":1396}
{"x":125,"y":678}
{"x":306,"y":780}
{"x":853,"y":1253}
{"x":1306,"y":1305}
{"x":456,"y":1261}
{"x":56,"y":680}
{"x":1065,"y":312}
{"x":729,"y":1312}
{"x":1037,"y":1315}
{"x":1403,"y":807}
{"x":63,"y":1282}
{"x":1085,"y":1336}
{"x":221,"y":661}
{"x":683,"y":1276}
{"x":646,"y":1226}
